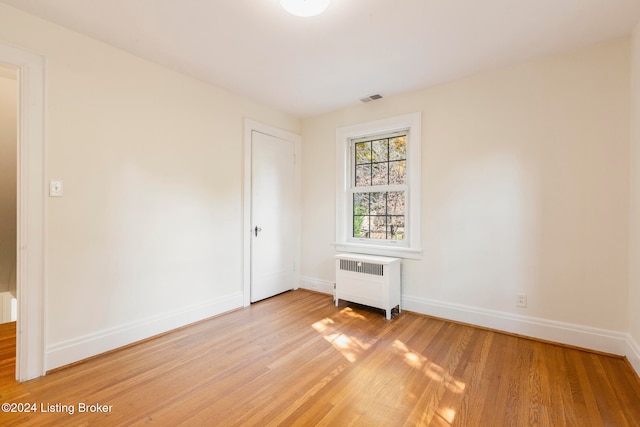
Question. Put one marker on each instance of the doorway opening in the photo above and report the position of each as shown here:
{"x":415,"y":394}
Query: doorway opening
{"x":30,"y":230}
{"x":8,"y":217}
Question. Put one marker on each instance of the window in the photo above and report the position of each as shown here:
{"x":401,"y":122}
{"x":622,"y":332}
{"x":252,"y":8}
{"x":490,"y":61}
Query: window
{"x":378,"y":195}
{"x":378,"y":186}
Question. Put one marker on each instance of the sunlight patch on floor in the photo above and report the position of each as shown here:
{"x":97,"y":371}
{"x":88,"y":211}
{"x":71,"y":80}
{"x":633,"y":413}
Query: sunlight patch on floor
{"x":431,"y":370}
{"x":347,"y":311}
{"x":349,"y":346}
{"x":447,"y":414}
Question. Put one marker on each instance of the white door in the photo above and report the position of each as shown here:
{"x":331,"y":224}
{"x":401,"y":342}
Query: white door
{"x":272,"y":216}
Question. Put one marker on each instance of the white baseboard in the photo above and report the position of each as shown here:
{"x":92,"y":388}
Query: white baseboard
{"x":633,"y":354}
{"x":317,"y":285}
{"x":8,"y":307}
{"x":70,"y":351}
{"x":586,"y":337}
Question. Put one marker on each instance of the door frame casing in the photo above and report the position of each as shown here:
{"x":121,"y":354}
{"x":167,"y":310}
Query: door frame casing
{"x":31,"y":204}
{"x":249,"y":127}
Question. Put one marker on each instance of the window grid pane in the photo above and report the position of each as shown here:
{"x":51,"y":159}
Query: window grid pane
{"x":379,"y":215}
{"x":380,"y":162}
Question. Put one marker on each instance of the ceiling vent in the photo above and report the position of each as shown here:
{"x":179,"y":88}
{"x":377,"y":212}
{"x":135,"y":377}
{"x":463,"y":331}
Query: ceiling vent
{"x":371,"y":98}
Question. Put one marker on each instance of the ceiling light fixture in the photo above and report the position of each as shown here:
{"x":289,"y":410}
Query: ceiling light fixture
{"x":305,"y":8}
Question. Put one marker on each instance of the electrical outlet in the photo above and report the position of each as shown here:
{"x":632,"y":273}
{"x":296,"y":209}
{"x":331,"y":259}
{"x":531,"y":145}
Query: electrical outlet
{"x":55,"y":188}
{"x":521,"y":300}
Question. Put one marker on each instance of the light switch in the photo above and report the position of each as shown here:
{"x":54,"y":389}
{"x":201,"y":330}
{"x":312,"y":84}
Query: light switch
{"x":55,"y":188}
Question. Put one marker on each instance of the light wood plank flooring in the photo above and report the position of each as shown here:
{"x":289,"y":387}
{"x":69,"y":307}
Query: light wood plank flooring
{"x":296,"y":359}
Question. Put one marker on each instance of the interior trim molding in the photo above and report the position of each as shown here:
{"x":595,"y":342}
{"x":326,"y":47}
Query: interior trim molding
{"x":317,"y":285}
{"x":581,"y":336}
{"x":572,"y":334}
{"x":31,"y":201}
{"x":411,"y":246}
{"x":76,"y":349}
{"x":633,"y":353}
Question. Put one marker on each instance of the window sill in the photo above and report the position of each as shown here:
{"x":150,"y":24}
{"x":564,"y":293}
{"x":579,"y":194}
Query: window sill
{"x":406,"y":253}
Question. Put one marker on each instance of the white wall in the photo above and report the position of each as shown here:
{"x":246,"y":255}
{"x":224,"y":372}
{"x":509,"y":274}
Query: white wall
{"x":634,"y":256}
{"x":525,"y":181}
{"x":525,"y":189}
{"x":8,"y":141}
{"x":148,"y":234}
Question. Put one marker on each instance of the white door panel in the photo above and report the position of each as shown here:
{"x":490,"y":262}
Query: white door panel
{"x":272,"y":216}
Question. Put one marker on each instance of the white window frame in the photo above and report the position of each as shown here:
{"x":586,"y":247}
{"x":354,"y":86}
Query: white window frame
{"x":410,"y":247}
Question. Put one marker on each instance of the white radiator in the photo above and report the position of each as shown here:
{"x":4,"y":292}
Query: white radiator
{"x":369,"y":280}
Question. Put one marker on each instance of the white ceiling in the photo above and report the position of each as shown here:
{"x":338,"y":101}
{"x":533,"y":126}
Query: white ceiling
{"x":308,"y":66}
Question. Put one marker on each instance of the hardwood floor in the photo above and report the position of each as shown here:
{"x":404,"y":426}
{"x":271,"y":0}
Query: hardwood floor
{"x":296,"y":359}
{"x":7,"y":355}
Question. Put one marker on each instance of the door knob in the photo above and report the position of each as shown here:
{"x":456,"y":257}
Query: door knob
{"x":257,"y":230}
